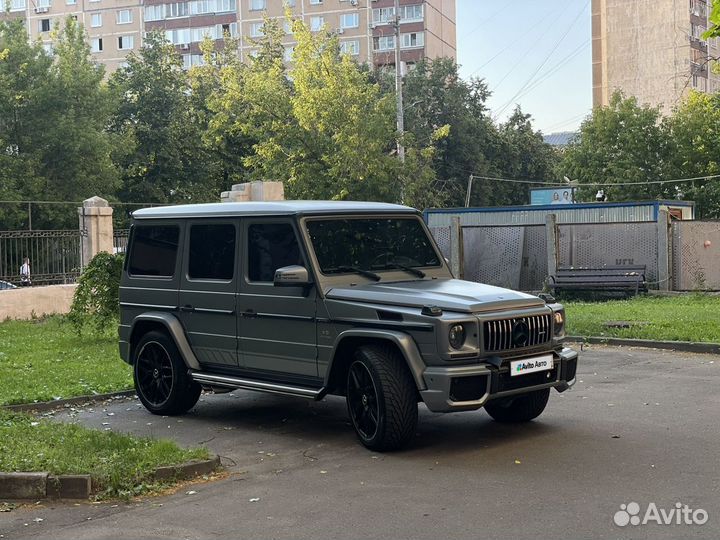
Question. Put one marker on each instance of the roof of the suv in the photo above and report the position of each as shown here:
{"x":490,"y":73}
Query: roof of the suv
{"x":269,"y":208}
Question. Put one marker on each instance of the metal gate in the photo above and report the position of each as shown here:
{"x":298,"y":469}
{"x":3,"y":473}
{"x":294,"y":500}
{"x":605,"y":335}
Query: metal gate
{"x":609,"y":244}
{"x":696,"y":255}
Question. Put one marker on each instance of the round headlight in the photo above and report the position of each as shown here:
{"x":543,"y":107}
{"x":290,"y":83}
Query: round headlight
{"x":456,"y":336}
{"x":559,"y":322}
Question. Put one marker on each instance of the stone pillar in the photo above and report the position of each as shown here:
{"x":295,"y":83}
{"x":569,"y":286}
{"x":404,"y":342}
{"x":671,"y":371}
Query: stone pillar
{"x":457,"y":255}
{"x":664,"y":250}
{"x":96,"y":220}
{"x":254,"y":191}
{"x":551,"y":236}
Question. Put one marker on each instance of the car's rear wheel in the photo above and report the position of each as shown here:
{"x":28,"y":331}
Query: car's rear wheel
{"x":381,"y":398}
{"x":161,"y":379}
{"x":522,"y":408}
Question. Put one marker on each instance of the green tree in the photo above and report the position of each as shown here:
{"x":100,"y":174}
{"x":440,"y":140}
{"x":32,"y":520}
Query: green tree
{"x":623,"y":142}
{"x":695,"y":131}
{"x":24,"y":72}
{"x":435,"y":97}
{"x":524,"y":155}
{"x":160,"y":148}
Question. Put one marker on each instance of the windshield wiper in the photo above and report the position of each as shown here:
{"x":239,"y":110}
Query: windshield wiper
{"x":409,"y":269}
{"x":360,"y":271}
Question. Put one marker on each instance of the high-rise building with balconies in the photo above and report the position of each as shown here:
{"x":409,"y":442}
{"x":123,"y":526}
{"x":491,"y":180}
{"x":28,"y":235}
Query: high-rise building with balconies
{"x":652,"y":49}
{"x":365,"y":28}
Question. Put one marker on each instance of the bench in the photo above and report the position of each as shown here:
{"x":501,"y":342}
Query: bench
{"x":606,"y":278}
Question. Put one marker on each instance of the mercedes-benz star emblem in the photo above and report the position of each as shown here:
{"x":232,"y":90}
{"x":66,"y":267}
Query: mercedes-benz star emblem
{"x":520,"y":333}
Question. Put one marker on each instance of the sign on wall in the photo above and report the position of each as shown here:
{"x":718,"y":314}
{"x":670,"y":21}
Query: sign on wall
{"x":552,"y":195}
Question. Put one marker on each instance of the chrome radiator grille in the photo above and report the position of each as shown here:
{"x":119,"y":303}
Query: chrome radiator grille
{"x":506,"y":334}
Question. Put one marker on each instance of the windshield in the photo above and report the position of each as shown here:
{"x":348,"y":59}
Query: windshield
{"x":371,"y":245}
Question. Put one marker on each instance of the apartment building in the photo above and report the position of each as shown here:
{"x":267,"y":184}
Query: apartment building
{"x":365,"y":28}
{"x":652,"y":49}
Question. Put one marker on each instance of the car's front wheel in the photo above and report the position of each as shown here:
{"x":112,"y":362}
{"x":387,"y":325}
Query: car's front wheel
{"x":381,"y":398}
{"x":522,"y":408}
{"x":161,"y":379}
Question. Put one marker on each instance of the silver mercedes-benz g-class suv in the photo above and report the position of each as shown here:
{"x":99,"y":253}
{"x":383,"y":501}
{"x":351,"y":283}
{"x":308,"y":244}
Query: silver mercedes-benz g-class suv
{"x":313,"y":298}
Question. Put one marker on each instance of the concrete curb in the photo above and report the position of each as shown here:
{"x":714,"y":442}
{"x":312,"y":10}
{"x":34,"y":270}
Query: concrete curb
{"x":55,"y":404}
{"x":681,"y":346}
{"x":41,"y":485}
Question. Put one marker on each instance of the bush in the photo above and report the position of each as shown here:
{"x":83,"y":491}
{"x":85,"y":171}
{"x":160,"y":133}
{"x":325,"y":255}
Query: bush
{"x":96,"y":301}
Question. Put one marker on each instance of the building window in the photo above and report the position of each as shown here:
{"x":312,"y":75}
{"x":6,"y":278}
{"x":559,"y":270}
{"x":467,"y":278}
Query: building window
{"x":43,"y":4}
{"x":183,"y":36}
{"x":190,"y":60}
{"x":17,"y":5}
{"x":350,"y":47}
{"x":289,"y":3}
{"x":383,"y":15}
{"x":125,"y":43}
{"x":287,"y":25}
{"x":411,"y":13}
{"x":49,"y":50}
{"x":698,"y":8}
{"x":384,"y":43}
{"x":349,"y":20}
{"x":257,"y":5}
{"x":96,"y":20}
{"x":413,"y":39}
{"x":71,"y":2}
{"x":154,"y":13}
{"x":124,"y":16}
{"x":175,"y":10}
{"x":316,"y":2}
{"x":289,"y":53}
{"x":316,"y":23}
{"x":44,"y":25}
{"x":96,"y":45}
{"x":256,"y":29}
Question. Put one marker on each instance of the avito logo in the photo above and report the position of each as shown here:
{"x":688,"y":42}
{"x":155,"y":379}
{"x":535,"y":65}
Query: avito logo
{"x":681,"y":514}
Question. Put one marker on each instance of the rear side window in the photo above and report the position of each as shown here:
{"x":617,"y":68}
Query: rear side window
{"x":212,"y":251}
{"x":271,"y":246}
{"x":153,"y":250}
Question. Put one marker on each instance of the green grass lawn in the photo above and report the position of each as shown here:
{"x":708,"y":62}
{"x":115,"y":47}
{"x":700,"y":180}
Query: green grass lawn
{"x":120,"y":465}
{"x":42,"y":360}
{"x":678,"y":318}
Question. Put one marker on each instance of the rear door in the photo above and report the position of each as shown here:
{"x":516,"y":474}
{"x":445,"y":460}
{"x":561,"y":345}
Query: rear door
{"x":208,"y":290}
{"x":278,"y":325}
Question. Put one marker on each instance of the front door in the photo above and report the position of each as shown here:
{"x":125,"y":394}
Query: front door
{"x":277,"y":327}
{"x":208,"y":290}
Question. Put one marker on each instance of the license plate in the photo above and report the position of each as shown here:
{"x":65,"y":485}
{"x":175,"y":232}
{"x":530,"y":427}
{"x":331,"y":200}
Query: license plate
{"x":531,"y":365}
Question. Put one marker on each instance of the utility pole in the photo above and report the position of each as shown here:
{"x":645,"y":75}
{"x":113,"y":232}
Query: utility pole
{"x":398,"y":86}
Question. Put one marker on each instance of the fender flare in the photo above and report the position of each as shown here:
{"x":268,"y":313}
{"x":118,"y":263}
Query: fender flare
{"x":403,"y":341}
{"x":175,"y":329}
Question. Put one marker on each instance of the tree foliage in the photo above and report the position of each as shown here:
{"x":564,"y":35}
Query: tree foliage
{"x":96,"y":302}
{"x":624,"y":142}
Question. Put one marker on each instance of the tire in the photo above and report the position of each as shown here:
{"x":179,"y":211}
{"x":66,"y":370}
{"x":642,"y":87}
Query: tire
{"x":381,"y":398}
{"x":161,"y":377}
{"x":522,"y":408}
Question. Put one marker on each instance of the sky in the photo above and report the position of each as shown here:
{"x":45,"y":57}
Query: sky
{"x":536,"y":53}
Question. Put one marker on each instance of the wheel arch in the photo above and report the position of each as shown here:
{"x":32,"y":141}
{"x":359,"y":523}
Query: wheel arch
{"x":350,"y":340}
{"x":168,"y":323}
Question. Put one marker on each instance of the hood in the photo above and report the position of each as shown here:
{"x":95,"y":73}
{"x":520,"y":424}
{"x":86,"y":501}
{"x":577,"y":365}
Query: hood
{"x":447,"y":294}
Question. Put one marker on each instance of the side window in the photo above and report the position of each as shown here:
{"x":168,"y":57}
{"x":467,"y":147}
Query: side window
{"x":271,"y":246}
{"x":212,"y":251}
{"x":153,"y":250}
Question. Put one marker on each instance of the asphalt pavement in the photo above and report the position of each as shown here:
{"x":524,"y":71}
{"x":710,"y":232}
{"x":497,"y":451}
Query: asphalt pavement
{"x":640,"y":426}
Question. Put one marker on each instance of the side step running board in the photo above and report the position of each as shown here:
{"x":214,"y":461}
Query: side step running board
{"x":228,"y":381}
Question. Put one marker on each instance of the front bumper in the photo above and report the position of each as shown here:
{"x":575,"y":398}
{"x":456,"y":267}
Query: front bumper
{"x":465,"y":388}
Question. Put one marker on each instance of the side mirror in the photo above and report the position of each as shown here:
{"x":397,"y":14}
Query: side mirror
{"x":291,"y":276}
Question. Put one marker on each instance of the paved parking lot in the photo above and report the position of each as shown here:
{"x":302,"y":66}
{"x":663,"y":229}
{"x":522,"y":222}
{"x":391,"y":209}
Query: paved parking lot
{"x":640,"y":426}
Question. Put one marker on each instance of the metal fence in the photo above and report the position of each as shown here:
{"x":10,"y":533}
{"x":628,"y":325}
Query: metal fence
{"x":696,"y":255}
{"x":55,"y":256}
{"x":120,"y":240}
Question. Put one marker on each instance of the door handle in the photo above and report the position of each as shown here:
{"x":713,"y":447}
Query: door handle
{"x":187,"y":308}
{"x":249,"y":313}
